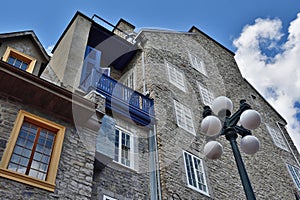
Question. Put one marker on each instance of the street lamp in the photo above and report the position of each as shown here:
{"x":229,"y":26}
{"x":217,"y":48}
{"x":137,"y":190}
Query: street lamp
{"x":212,"y":126}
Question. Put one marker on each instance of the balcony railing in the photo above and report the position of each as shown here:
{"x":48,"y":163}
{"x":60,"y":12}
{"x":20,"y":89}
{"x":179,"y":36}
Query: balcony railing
{"x":122,"y":99}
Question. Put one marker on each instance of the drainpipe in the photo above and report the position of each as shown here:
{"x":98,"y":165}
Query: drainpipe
{"x":155,"y":190}
{"x":139,"y":45}
{"x":143,"y":70}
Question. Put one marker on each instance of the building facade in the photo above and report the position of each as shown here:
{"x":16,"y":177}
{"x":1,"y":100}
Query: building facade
{"x":115,"y":114}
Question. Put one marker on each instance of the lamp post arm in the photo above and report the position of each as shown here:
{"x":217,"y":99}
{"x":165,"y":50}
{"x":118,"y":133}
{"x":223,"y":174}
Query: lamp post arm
{"x":234,"y":119}
{"x":242,"y":131}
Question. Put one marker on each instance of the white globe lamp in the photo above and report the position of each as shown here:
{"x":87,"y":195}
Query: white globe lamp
{"x":211,"y":125}
{"x":213,"y":150}
{"x":249,"y":144}
{"x":250,"y":119}
{"x":222,"y":104}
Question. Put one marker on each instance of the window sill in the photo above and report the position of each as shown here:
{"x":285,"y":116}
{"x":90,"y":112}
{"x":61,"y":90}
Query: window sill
{"x":198,"y":190}
{"x":124,"y":166}
{"x":5,"y":173}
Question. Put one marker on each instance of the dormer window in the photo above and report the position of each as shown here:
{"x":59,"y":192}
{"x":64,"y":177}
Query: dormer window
{"x":19,"y":59}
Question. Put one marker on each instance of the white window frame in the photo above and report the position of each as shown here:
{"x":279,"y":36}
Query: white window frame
{"x":184,"y":117}
{"x":277,"y":137}
{"x":105,"y":197}
{"x":295,"y":174}
{"x":197,"y":64}
{"x":131,"y":151}
{"x":196,"y":172}
{"x":206,"y":95}
{"x":176,"y":77}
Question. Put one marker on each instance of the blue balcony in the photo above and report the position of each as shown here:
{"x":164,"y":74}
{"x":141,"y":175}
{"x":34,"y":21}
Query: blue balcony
{"x":121,"y":99}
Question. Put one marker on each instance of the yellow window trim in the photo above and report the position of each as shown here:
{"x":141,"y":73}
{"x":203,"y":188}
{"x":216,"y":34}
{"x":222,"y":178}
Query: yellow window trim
{"x":49,"y":183}
{"x":21,"y":56}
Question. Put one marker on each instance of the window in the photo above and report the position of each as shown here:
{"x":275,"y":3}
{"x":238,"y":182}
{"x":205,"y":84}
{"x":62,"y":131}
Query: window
{"x":129,"y":80}
{"x":206,"y":95}
{"x":108,"y":198}
{"x":123,"y":148}
{"x":277,"y":137}
{"x":176,"y":77}
{"x":184,"y":117}
{"x":195,"y":173}
{"x":254,"y":100}
{"x":197,"y":64}
{"x":295,"y":173}
{"x":19,"y":59}
{"x":90,"y":74}
{"x":33,"y":151}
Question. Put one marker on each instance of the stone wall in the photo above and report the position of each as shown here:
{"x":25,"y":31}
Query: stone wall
{"x":75,"y":171}
{"x":118,"y":181}
{"x":266,"y":169}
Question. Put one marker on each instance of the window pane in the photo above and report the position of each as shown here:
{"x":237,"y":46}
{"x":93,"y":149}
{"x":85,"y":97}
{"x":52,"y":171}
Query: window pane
{"x":33,"y":173}
{"x":13,"y":166}
{"x":45,"y":159}
{"x":31,"y":155}
{"x":11,"y":60}
{"x":18,"y":150}
{"x":195,"y":173}
{"x":176,"y":77}
{"x":47,"y":151}
{"x":21,"y":141}
{"x":21,"y":169}
{"x":24,"y":66}
{"x":184,"y":117}
{"x":122,"y":148}
{"x":24,"y":161}
{"x":117,"y":145}
{"x":37,"y":156}
{"x":295,"y":173}
{"x":17,"y":63}
{"x":15,"y":158}
{"x":29,"y":144}
{"x":26,"y":153}
{"x":277,"y":137}
{"x":39,"y":148}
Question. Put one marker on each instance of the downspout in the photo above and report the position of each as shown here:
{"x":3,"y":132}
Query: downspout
{"x":155,"y":189}
{"x":143,"y":72}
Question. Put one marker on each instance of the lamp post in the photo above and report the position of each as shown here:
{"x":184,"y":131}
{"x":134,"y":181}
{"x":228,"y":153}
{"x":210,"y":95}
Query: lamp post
{"x":212,"y":126}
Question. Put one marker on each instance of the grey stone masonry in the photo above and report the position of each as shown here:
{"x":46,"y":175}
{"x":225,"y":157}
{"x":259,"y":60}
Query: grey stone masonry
{"x":75,"y":171}
{"x":267,"y":168}
{"x":117,"y":180}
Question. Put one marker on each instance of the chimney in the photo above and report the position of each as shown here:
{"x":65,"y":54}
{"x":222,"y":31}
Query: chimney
{"x":125,"y":30}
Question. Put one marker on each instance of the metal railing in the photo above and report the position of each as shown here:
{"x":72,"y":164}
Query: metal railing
{"x":111,"y":88}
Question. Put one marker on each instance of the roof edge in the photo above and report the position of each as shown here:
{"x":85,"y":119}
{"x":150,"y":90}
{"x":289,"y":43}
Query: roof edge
{"x":210,"y":38}
{"x":78,"y":13}
{"x":27,"y":33}
{"x":252,"y":87}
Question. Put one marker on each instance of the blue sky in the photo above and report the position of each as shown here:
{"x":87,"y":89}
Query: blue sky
{"x":223,"y":20}
{"x":264,"y":34}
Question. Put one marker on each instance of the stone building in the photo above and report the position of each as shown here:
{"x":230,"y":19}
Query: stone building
{"x":116,"y":114}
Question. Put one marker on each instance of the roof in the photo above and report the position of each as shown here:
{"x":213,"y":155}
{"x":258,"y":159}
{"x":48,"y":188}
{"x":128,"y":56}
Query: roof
{"x":194,"y":28}
{"x":28,"y":33}
{"x":31,"y":90}
{"x":68,"y":26}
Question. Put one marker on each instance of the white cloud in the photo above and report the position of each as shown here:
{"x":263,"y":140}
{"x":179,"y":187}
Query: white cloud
{"x":272,"y":66}
{"x":49,"y":49}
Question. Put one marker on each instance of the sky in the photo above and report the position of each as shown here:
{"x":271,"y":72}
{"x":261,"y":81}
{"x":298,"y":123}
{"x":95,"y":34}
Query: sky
{"x":263,"y":34}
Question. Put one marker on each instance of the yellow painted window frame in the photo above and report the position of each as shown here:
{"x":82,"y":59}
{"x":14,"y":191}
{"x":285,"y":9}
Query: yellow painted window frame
{"x":21,"y":56}
{"x":49,"y":183}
